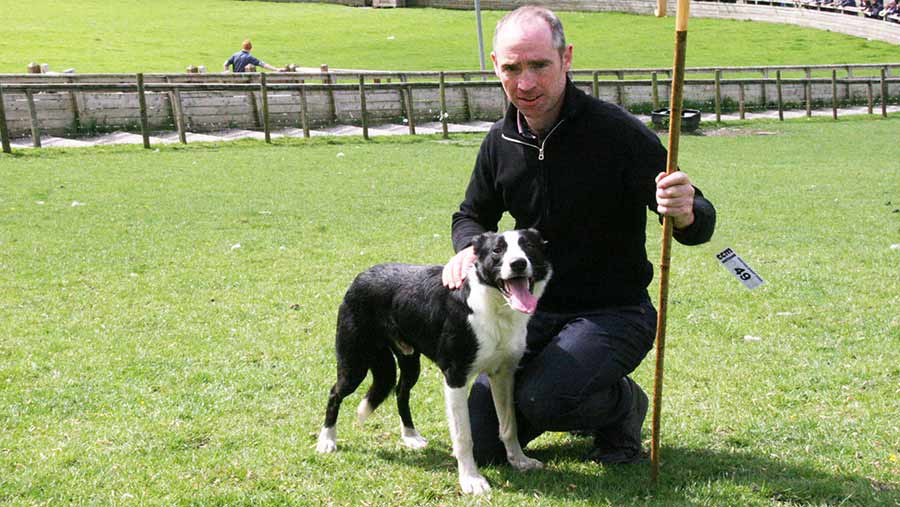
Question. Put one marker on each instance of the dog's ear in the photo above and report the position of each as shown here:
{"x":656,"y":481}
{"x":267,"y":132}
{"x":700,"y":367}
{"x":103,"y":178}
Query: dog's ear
{"x":480,"y":240}
{"x":535,"y":236}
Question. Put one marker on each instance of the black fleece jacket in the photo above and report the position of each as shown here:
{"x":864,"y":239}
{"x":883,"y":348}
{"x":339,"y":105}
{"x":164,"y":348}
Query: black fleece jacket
{"x":586,"y":186}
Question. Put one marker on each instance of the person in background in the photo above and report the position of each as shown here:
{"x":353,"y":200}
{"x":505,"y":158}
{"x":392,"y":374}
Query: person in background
{"x":243,"y":61}
{"x":873,"y":8}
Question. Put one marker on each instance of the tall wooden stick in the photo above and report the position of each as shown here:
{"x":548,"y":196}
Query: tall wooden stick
{"x":671,"y":166}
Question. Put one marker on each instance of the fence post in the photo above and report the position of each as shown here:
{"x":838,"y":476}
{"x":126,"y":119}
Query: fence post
{"x":76,"y":114}
{"x":362,"y":106}
{"x":444,"y":112}
{"x":847,"y":88}
{"x":807,"y":90}
{"x":870,"y":100}
{"x":251,"y":96}
{"x":264,"y":93}
{"x":304,"y":121}
{"x":177,"y":113}
{"x":654,"y":91}
{"x":620,"y":88}
{"x":4,"y":130}
{"x":142,"y":102}
{"x":780,"y":100}
{"x":595,"y":84}
{"x":741,"y":100}
{"x":467,"y":111}
{"x":834,"y":99}
{"x":410,"y":110}
{"x":406,"y":103}
{"x":35,"y":126}
{"x":718,"y":97}
{"x":763,"y":91}
{"x":884,"y":93}
{"x":332,"y":108}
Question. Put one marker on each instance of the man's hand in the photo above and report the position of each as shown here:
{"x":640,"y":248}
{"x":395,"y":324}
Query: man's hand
{"x":456,"y":269}
{"x":675,"y":198}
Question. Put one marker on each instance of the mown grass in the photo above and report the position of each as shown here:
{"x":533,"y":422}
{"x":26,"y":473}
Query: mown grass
{"x":168,"y":35}
{"x":167,"y":320}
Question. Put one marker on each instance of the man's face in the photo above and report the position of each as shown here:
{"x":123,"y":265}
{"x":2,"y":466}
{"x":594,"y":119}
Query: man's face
{"x":531,"y":70}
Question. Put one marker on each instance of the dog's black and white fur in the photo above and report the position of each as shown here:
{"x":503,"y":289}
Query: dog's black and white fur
{"x":402,"y":311}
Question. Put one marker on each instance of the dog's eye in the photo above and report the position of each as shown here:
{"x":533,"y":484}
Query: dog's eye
{"x":497,"y":250}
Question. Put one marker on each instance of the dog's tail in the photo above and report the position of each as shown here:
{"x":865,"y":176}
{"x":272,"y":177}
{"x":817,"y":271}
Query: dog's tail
{"x":384,"y":376}
{"x":362,"y":347}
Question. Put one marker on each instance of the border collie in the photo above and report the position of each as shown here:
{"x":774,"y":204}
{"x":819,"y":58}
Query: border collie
{"x":403,"y":311}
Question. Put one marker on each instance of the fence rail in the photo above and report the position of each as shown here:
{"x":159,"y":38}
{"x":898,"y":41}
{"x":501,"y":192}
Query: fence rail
{"x":358,"y":97}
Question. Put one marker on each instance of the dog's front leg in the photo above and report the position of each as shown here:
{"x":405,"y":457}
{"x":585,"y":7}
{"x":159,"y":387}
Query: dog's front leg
{"x":461,"y":434}
{"x":502,"y":391}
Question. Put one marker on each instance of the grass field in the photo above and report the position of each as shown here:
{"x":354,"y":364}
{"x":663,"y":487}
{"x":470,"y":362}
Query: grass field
{"x":168,"y":35}
{"x":167,"y":320}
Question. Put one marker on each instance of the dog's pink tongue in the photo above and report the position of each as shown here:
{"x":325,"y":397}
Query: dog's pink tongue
{"x":520,"y":298}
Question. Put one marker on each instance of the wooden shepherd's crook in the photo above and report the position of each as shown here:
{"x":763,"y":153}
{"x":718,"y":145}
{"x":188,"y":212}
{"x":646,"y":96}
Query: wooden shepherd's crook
{"x":671,"y":166}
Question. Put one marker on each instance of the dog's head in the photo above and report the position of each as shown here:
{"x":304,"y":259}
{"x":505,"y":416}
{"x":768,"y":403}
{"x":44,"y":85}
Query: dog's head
{"x":514,"y":263}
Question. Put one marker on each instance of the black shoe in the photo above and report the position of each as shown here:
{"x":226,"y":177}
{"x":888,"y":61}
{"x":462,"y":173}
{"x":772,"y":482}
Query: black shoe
{"x":621,"y":444}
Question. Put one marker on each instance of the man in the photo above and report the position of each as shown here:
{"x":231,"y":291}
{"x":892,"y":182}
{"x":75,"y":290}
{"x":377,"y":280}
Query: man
{"x":583,"y":172}
{"x":242,"y":59}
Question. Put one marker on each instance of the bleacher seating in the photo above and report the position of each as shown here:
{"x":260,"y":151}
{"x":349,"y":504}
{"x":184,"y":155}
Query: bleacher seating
{"x":887,"y":14}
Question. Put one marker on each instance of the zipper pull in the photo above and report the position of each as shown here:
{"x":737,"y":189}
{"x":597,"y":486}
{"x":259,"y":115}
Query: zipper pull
{"x":541,"y":153}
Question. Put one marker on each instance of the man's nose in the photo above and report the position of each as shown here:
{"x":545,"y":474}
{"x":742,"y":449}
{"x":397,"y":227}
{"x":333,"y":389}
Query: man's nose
{"x":527,"y":81}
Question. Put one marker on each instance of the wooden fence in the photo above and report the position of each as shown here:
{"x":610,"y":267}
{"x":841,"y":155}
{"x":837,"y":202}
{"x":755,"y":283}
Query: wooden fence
{"x":206,"y":102}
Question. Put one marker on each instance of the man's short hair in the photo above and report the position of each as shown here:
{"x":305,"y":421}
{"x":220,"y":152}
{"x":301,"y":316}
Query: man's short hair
{"x":246,"y":45}
{"x":558,"y":37}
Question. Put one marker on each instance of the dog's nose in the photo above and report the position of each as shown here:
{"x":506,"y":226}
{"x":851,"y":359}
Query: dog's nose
{"x":518,"y":265}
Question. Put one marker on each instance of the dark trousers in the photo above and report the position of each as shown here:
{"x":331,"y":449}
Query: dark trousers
{"x":572,"y":376}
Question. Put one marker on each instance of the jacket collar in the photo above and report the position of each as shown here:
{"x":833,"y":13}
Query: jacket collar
{"x":573,"y":102}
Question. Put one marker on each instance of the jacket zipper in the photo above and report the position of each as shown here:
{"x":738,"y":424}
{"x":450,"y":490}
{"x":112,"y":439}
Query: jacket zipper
{"x":540,"y":148}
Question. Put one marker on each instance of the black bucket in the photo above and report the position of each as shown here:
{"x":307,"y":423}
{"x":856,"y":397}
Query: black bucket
{"x":690,"y":119}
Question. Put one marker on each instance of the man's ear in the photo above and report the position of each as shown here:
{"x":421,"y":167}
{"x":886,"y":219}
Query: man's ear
{"x":567,"y":58}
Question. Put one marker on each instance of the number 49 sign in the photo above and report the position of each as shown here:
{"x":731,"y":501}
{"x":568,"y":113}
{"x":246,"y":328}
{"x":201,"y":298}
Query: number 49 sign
{"x":739,"y":268}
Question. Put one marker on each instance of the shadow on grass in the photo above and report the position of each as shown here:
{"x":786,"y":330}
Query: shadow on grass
{"x":688,"y":476}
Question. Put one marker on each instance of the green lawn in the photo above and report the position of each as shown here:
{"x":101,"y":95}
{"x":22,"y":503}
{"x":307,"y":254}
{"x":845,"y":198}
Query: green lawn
{"x":168,"y":35}
{"x":167,"y":320}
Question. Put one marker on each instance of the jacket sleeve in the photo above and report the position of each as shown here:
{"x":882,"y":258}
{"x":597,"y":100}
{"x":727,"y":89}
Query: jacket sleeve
{"x":704,"y":222}
{"x":482,"y":207}
{"x":649,"y":158}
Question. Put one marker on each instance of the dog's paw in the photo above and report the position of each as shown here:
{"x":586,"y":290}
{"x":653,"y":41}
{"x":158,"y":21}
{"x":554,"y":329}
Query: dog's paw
{"x":326,"y":446}
{"x":412,"y":439}
{"x":473,"y":484}
{"x":523,"y":463}
{"x":326,"y":443}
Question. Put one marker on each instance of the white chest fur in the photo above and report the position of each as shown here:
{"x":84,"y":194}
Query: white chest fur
{"x":499,"y":329}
